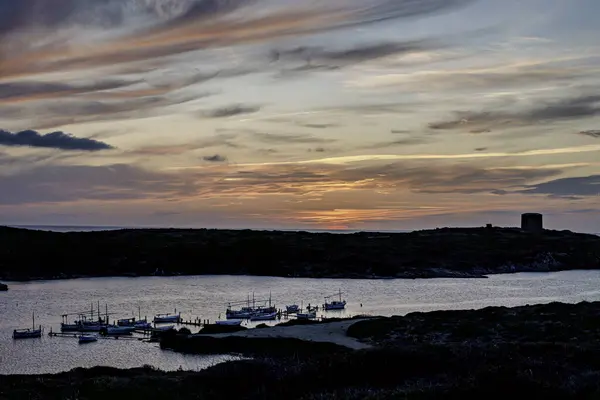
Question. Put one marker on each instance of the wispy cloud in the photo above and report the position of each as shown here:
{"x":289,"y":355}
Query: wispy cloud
{"x":576,"y":186}
{"x":591,"y":133}
{"x":295,"y":138}
{"x":196,"y":25}
{"x":465,"y":156}
{"x":565,"y":109}
{"x":230,"y":111}
{"x":55,"y":140}
{"x":215,"y":158}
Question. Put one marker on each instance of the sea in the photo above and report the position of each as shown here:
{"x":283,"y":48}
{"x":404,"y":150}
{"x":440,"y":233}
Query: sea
{"x":206,"y":298}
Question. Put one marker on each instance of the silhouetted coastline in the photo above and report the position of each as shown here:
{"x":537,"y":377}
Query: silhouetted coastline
{"x":541,"y":351}
{"x":446,"y":252}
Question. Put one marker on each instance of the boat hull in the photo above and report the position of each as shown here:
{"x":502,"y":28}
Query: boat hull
{"x":27,"y":334}
{"x":166,"y":320}
{"x":87,"y":339}
{"x":264,"y":317}
{"x":119,"y":330}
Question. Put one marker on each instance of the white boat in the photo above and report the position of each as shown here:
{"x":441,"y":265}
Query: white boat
{"x":231,"y":322}
{"x":335,"y":304}
{"x":309,"y":315}
{"x":292,"y":309}
{"x":264,"y":317}
{"x":87,"y":338}
{"x":163,"y":328}
{"x":119,"y":330}
{"x":28,"y":333}
{"x":166,"y":318}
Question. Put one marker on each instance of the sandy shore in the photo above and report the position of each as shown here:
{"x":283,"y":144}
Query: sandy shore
{"x":332,"y":332}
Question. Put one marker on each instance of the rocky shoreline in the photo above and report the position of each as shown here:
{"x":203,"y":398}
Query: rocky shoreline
{"x":543,"y":351}
{"x":3,"y":287}
{"x":447,"y":252}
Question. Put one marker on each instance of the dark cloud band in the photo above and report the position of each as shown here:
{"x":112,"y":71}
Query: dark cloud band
{"x":54,"y":140}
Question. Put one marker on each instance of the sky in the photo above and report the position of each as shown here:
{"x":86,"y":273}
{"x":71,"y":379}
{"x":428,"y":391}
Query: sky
{"x":304,"y":114}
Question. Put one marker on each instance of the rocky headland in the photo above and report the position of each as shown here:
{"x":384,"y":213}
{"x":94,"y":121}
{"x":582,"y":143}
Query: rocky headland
{"x":543,"y":351}
{"x":447,"y":252}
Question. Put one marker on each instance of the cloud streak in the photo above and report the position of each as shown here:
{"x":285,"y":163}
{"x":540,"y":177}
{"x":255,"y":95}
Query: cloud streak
{"x":230,"y":111}
{"x":562,"y":110}
{"x":189,"y":30}
{"x":54,"y":140}
{"x":215,"y":158}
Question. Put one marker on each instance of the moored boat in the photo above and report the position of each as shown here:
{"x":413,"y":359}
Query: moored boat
{"x":166,"y":318}
{"x":308,"y":315}
{"x":335,"y":304}
{"x":28,"y":333}
{"x":163,"y":328}
{"x":118,"y":330}
{"x":264,"y":317}
{"x":292,"y":309}
{"x":87,"y":338}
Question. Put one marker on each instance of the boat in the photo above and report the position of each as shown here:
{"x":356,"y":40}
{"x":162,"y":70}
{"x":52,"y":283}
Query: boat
{"x":28,"y":333}
{"x":91,"y":327}
{"x":263,"y":317}
{"x":166,"y":318}
{"x":118,"y":330}
{"x":87,"y":338}
{"x":292,"y":309}
{"x":308,"y":315}
{"x":163,"y":328}
{"x":142,"y":325}
{"x":335,"y":304}
{"x":230,"y":322}
{"x":248,"y":312}
{"x":138,"y":323}
{"x":64,"y":327}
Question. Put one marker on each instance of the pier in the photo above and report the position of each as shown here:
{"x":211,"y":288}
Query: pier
{"x":114,"y":337}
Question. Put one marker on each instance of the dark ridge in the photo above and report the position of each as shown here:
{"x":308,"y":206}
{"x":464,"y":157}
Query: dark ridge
{"x":448,"y":252}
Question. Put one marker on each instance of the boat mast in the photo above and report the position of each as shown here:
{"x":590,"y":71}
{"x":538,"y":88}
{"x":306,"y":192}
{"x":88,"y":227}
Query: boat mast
{"x":33,"y":317}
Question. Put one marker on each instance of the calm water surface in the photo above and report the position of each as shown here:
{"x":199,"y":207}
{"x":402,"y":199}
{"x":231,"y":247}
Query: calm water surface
{"x":206,"y":297}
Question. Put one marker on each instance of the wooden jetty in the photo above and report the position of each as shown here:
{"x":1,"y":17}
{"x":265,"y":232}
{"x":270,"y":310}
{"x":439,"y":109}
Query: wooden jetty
{"x":75,"y":335}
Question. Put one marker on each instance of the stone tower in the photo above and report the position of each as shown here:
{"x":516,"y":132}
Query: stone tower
{"x":532,"y":222}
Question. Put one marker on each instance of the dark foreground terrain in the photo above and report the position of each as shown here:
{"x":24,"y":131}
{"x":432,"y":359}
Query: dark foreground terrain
{"x":549,"y":351}
{"x":449,"y":252}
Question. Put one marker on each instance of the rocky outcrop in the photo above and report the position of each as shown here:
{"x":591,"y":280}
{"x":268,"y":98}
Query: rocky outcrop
{"x":447,"y":252}
{"x":3,"y":287}
{"x":554,"y":322}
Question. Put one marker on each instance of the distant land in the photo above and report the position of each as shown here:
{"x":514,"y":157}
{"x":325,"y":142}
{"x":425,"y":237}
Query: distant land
{"x":445,"y":252}
{"x":94,"y":228}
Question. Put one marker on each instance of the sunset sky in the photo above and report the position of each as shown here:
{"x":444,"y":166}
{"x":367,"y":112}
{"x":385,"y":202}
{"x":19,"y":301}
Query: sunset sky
{"x":304,"y":114}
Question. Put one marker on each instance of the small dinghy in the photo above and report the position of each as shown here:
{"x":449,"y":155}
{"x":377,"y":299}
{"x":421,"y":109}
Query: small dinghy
{"x":87,"y":338}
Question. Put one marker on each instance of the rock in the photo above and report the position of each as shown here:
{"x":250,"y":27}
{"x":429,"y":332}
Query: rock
{"x":3,"y":287}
